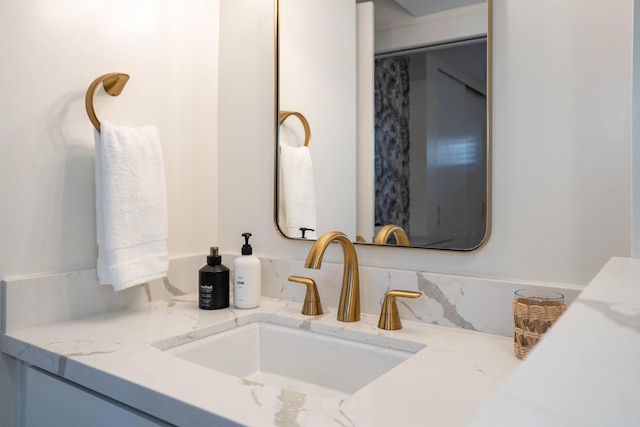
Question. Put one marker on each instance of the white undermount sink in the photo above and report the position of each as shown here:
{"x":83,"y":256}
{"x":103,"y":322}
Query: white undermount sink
{"x":295,"y":359}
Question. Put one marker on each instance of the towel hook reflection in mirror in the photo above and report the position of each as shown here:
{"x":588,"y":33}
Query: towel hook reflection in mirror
{"x":113,"y":84}
{"x":305,"y":124}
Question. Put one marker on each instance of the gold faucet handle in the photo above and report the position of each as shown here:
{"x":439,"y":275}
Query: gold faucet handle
{"x":311,"y":306}
{"x":389,"y":316}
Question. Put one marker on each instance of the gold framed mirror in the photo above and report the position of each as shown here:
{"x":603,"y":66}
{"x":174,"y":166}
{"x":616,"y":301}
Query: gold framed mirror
{"x":389,"y":131}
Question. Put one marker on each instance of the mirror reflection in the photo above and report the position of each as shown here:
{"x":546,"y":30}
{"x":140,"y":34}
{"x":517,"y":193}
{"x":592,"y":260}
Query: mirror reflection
{"x":384,"y":137}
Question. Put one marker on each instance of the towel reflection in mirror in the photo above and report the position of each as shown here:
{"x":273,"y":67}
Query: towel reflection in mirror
{"x":297,"y":213}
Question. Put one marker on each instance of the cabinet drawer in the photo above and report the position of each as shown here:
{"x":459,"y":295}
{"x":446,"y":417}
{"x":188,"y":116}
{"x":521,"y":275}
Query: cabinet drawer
{"x":50,"y":401}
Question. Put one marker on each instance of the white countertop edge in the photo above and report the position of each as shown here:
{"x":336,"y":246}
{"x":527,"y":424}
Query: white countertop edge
{"x":112,"y":355}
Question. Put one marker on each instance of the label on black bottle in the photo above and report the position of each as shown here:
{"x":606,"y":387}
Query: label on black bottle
{"x":206,"y":296}
{"x":214,"y":288}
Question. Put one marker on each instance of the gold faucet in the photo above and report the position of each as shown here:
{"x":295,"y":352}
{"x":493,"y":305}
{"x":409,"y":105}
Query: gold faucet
{"x":349,"y":307}
{"x":383,"y":235}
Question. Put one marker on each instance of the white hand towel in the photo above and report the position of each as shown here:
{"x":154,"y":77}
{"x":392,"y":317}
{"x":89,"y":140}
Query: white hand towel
{"x":299,"y":190}
{"x":131,"y":206}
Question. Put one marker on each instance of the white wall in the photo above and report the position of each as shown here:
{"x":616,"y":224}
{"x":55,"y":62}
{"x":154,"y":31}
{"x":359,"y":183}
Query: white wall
{"x":561,"y":144}
{"x":562,"y":114}
{"x":636,"y":131}
{"x":51,"y":51}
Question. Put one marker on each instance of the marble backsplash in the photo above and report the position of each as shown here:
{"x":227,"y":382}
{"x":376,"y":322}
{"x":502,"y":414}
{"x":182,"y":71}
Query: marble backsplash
{"x":473,"y":303}
{"x":28,"y":301}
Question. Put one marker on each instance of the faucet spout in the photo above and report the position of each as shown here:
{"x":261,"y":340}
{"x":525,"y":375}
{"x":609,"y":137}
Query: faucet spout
{"x":383,"y":235}
{"x":349,"y":307}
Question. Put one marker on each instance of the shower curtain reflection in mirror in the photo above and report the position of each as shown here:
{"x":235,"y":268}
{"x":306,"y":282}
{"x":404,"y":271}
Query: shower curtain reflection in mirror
{"x":430,"y":144}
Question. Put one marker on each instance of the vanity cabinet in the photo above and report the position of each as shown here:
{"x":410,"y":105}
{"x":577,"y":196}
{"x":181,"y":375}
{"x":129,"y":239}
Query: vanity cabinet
{"x":51,"y":401}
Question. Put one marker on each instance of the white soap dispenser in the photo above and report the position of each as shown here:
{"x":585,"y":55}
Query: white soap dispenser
{"x":246,"y":277}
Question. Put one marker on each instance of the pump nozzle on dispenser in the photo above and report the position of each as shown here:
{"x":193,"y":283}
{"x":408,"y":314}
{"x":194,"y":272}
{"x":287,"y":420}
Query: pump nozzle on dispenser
{"x":246,"y":248}
{"x":213,"y":258}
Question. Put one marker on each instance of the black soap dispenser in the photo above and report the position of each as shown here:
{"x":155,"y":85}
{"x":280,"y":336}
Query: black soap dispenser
{"x":213,"y":289}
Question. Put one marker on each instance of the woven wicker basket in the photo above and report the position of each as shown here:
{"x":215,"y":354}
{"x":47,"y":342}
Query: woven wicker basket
{"x":532,"y":318}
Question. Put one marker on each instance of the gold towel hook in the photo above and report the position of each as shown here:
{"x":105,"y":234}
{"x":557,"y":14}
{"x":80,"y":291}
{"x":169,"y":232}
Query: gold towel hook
{"x":113,"y":84}
{"x":305,"y":124}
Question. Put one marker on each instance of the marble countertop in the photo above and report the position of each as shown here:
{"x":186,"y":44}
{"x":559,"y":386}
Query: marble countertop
{"x":586,"y":370}
{"x":444,"y":384}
